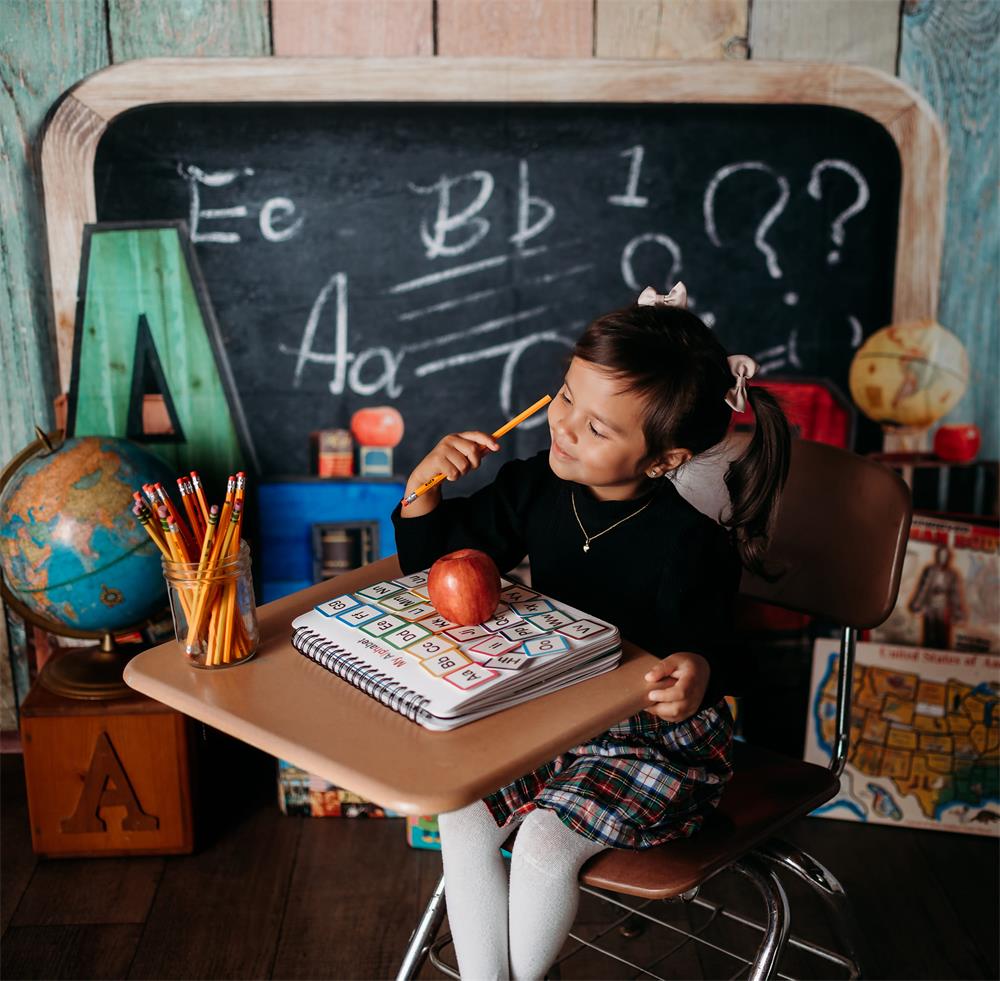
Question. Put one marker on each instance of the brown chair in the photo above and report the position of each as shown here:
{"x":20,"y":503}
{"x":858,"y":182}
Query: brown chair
{"x":838,"y":546}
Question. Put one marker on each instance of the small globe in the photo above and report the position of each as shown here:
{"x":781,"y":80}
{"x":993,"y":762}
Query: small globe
{"x":909,"y":375}
{"x":70,"y":548}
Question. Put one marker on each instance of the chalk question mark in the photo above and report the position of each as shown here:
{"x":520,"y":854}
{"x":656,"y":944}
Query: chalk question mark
{"x":816,"y":191}
{"x":665,"y":242}
{"x":763,"y":227}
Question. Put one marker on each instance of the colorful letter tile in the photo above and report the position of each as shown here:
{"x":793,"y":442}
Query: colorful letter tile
{"x":441,"y":664}
{"x":418,"y":612}
{"x":492,"y":646}
{"x":382,"y":626}
{"x":360,"y":615}
{"x":401,"y":601}
{"x":540,"y":646}
{"x":430,"y":647}
{"x":531,"y":607}
{"x":476,"y":656}
{"x":517,"y":594}
{"x":332,"y":607}
{"x":551,"y":620}
{"x":406,"y":635}
{"x":501,"y":620}
{"x":438,"y":623}
{"x":380,"y":590}
{"x":467,"y":633}
{"x":417,"y":579}
{"x":470,"y":677}
{"x":510,"y":661}
{"x":521,"y":631}
{"x":582,"y":628}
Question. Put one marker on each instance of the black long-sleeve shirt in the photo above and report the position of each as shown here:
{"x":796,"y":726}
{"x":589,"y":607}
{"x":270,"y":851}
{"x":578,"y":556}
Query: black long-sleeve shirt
{"x":666,"y":577}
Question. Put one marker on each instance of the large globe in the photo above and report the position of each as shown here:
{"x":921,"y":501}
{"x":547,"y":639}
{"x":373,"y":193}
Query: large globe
{"x":70,"y":548}
{"x":909,"y":375}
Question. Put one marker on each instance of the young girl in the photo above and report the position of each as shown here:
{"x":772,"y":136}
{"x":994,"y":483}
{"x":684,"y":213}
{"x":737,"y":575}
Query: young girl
{"x":648,"y":388}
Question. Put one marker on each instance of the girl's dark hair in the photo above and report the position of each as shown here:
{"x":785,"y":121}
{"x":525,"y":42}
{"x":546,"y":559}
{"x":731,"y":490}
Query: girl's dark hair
{"x":678,"y":367}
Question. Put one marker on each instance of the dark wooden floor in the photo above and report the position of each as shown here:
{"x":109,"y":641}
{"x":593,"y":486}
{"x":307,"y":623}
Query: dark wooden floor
{"x":267,"y":896}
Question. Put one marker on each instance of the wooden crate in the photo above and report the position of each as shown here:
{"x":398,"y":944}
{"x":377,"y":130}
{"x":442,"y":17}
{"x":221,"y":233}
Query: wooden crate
{"x":106,"y":777}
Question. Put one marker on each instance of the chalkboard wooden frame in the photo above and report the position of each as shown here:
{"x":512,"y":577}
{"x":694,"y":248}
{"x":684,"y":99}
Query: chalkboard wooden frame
{"x":76,"y":125}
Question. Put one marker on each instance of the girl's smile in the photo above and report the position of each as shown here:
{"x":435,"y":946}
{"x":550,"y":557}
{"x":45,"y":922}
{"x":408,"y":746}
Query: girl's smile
{"x":559,"y":451}
{"x":596,"y":429}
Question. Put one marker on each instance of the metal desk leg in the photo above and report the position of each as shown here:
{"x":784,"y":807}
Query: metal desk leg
{"x":423,"y":936}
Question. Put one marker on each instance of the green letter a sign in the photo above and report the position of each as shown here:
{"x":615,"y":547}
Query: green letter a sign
{"x":144,"y":325}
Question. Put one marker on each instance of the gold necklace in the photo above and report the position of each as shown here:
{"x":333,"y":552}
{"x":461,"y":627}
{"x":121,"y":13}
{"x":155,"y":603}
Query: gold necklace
{"x":587,"y":539}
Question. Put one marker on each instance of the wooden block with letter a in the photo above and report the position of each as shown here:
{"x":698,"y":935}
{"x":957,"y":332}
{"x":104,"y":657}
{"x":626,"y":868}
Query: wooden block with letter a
{"x":107,"y":777}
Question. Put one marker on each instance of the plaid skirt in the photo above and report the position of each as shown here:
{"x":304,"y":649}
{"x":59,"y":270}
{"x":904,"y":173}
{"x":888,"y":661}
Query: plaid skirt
{"x":641,"y":783}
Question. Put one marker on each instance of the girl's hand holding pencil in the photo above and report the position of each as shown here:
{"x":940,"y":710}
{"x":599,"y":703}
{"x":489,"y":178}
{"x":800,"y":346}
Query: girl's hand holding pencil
{"x":453,"y":457}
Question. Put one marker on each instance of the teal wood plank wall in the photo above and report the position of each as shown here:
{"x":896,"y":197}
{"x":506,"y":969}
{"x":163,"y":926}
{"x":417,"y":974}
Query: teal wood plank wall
{"x":950,"y":53}
{"x":47,"y":47}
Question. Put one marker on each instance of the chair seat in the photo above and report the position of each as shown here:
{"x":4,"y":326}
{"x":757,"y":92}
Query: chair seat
{"x":767,"y":791}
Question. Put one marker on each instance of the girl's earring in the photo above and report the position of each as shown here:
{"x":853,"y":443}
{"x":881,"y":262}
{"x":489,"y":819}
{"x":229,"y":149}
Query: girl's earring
{"x":653,"y":473}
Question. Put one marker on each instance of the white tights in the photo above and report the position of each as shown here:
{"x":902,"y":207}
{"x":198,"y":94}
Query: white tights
{"x":510,"y":929}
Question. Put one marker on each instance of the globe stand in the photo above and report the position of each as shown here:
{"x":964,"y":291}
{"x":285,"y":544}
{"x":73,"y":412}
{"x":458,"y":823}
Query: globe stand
{"x":905,"y":439}
{"x":87,"y":672}
{"x":78,"y":672}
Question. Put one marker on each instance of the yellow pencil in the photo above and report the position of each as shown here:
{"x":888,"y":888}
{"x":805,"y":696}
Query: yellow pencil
{"x":228,"y":606}
{"x":224,"y":517}
{"x":206,"y":595}
{"x":504,"y":429}
{"x":212,"y":640}
{"x":199,"y":494}
{"x":142,"y":514}
{"x":151,"y":525}
{"x":221,"y":603}
{"x":206,"y":545}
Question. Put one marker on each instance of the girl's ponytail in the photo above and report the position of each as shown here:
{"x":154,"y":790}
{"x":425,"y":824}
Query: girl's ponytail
{"x":755,"y":480}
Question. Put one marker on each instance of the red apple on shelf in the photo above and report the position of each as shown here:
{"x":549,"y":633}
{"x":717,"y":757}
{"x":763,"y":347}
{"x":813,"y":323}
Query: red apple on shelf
{"x":957,"y":442}
{"x":464,"y":586}
{"x":378,"y":425}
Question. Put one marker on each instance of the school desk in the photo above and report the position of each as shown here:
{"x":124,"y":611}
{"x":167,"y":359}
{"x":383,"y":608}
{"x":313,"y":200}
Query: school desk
{"x":290,"y":707}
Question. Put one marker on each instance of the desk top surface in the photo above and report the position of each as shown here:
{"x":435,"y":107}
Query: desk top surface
{"x":286,"y":705}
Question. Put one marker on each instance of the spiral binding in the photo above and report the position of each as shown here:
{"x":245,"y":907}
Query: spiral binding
{"x":359,"y":673}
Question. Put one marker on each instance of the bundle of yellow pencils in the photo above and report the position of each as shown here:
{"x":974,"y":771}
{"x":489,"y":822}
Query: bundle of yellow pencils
{"x":203,"y":564}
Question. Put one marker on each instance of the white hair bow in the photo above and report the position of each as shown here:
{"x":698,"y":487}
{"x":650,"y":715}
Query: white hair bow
{"x":742,"y":367}
{"x":677,"y":297}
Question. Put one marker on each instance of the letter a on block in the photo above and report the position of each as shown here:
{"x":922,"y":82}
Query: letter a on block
{"x":143,"y":304}
{"x":105,"y":768}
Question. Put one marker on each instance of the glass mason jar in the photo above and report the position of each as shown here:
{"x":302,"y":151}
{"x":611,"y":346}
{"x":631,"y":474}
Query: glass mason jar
{"x":215,"y":616}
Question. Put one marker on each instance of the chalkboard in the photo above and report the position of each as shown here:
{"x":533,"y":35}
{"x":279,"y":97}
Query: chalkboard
{"x":442,"y":258}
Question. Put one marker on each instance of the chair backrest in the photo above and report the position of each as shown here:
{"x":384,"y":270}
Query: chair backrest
{"x":840,"y":536}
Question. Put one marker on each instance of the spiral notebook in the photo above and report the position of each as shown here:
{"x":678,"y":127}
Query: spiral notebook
{"x":389,"y":641}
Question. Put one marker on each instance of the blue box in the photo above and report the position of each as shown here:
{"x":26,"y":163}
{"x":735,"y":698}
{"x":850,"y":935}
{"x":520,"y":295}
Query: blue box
{"x":375,"y":461}
{"x":289,"y":508}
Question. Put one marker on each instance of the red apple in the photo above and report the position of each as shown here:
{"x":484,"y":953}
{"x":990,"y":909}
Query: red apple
{"x":379,"y":425}
{"x":464,"y":586}
{"x":957,"y":442}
